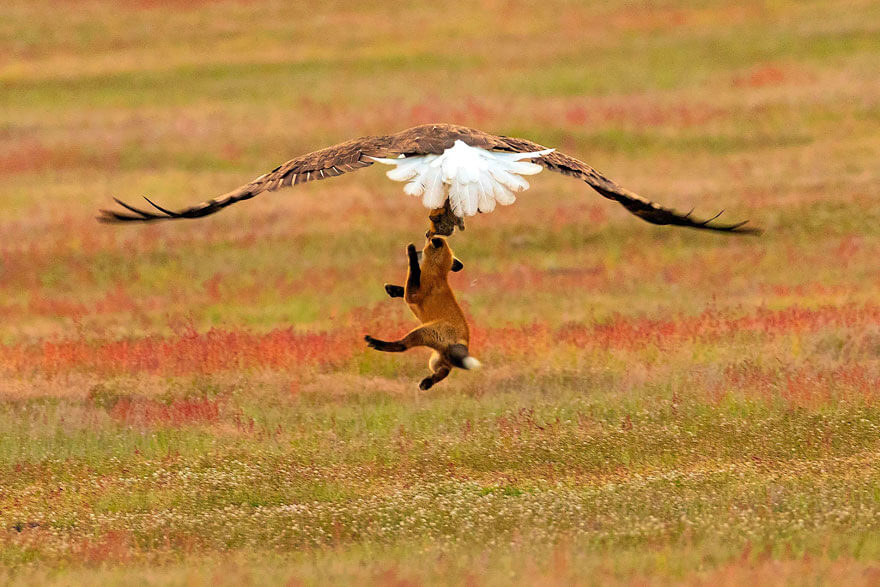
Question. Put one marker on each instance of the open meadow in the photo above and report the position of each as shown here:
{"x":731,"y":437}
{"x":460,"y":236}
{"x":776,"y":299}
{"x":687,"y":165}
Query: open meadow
{"x":192,"y":402}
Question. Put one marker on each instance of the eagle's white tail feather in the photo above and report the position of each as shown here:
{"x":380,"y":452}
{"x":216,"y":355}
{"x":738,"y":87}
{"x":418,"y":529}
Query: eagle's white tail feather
{"x":486,"y":194}
{"x":526,"y":168}
{"x":383,"y":160}
{"x":521,"y":156}
{"x":472,"y":204}
{"x":455,"y":201}
{"x":414,"y":188}
{"x":475,"y":179}
{"x":511,"y":181}
{"x":403,"y":172}
{"x":435,"y":189}
{"x":503,"y":195}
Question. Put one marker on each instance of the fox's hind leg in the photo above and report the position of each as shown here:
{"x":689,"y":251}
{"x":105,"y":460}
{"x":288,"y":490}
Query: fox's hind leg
{"x":436,"y":377}
{"x":440,"y":371}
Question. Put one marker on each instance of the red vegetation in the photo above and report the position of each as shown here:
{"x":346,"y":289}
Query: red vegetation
{"x":222,"y":350}
{"x":191,"y":352}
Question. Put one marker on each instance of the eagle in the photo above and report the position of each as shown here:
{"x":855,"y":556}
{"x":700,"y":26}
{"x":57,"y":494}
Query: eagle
{"x":457,"y":171}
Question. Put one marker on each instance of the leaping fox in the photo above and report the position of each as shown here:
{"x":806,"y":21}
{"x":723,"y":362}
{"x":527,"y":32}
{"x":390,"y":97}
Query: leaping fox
{"x":430,"y":298}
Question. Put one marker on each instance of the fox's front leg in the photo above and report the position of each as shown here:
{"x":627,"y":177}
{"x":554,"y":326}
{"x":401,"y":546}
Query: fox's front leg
{"x":414,"y":275}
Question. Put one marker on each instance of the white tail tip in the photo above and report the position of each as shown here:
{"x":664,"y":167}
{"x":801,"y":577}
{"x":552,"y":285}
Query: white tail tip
{"x":471,"y":363}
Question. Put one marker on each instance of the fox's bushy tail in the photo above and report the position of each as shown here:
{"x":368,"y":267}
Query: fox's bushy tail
{"x":459,"y":356}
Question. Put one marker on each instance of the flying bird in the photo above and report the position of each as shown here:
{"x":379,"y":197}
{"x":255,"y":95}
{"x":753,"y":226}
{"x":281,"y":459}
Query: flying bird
{"x":457,"y":171}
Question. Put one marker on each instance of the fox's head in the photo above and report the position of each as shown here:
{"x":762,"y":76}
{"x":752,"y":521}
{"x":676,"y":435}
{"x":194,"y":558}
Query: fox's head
{"x":437,"y":256}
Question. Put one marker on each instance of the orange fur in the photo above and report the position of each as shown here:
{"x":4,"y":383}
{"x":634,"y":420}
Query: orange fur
{"x":430,"y":298}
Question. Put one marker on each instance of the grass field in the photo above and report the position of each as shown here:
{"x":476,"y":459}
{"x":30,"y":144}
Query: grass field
{"x":193,"y":402}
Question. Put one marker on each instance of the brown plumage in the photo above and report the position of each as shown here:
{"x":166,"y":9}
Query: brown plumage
{"x":421,"y":140}
{"x":443,"y":325}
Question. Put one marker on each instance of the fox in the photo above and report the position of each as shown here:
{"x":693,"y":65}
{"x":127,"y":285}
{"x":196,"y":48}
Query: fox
{"x":443,"y":325}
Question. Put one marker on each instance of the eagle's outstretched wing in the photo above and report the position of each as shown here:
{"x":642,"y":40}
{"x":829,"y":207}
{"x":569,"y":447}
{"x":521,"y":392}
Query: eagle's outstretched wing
{"x":328,"y":162}
{"x":642,"y":207}
{"x":431,"y":139}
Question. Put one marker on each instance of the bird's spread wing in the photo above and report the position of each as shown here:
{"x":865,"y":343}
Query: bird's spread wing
{"x":636,"y":204}
{"x":328,"y":162}
{"x":420,"y":141}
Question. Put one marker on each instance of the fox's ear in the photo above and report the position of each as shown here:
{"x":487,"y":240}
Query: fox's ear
{"x":457,"y":265}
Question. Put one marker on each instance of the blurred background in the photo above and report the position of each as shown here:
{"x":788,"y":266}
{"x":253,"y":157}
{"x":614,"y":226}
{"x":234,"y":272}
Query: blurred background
{"x":703,"y":396}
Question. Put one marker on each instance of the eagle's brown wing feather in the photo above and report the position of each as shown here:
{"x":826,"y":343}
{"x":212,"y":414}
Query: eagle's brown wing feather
{"x":419,"y":140}
{"x":328,"y":162}
{"x":643,"y":208}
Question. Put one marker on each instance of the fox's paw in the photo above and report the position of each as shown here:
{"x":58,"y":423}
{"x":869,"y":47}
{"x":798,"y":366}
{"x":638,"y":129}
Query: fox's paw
{"x":373,"y":343}
{"x":426,"y":384}
{"x":394,"y":291}
{"x":410,"y":249}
